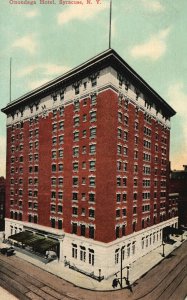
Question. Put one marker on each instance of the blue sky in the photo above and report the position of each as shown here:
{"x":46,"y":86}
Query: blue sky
{"x":46,"y":40}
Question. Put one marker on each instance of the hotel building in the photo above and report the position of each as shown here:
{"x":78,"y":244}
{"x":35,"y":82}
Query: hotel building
{"x":88,"y":166}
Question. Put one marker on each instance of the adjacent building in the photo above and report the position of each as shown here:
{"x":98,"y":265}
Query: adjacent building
{"x":88,"y":166}
{"x":2,"y":203}
{"x":178,"y":184}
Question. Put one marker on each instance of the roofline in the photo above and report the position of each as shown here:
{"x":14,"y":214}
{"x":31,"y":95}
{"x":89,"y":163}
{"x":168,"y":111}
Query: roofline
{"x":103,"y":56}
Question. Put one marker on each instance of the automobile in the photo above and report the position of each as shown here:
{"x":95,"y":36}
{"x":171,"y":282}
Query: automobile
{"x":7,"y":251}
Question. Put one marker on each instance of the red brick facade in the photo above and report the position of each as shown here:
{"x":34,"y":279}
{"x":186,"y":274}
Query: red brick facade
{"x":97,"y":167}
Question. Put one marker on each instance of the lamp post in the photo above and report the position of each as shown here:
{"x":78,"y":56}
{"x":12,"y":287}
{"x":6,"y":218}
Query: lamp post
{"x":163,"y":245}
{"x":128,"y":267}
{"x":121,"y":270}
{"x":99,"y":275}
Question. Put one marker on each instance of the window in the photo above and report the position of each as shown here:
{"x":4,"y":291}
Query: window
{"x":116,"y":256}
{"x":59,"y":224}
{"x":54,"y":127}
{"x":92,"y":149}
{"x":75,"y":196}
{"x":53,"y":223}
{"x":91,"y":232}
{"x":124,"y":197}
{"x":91,"y":257}
{"x":93,"y":132}
{"x":118,"y":165}
{"x":94,"y":81}
{"x":119,"y":149}
{"x":53,"y":154}
{"x":119,"y":133}
{"x":125,"y":151}
{"x":82,"y":253}
{"x":54,"y":113}
{"x":117,"y":232}
{"x":61,"y":139}
{"x":118,"y":181}
{"x":60,"y":208}
{"x":76,"y":151}
{"x":92,"y":181}
{"x":84,"y":133}
{"x":53,"y":181}
{"x":117,"y":213}
{"x":53,"y":195}
{"x":91,"y":213}
{"x":54,"y":140}
{"x":61,"y":125}
{"x":53,"y":207}
{"x":60,"y":195}
{"x":60,"y":181}
{"x":134,"y":210}
{"x":91,"y":197}
{"x":93,"y":116}
{"x":119,"y":117}
{"x":118,"y":197}
{"x":125,"y":136}
{"x":74,"y":250}
{"x":60,"y":167}
{"x":75,"y":166}
{"x":75,"y":180}
{"x":61,"y":110}
{"x":83,"y":149}
{"x":53,"y":168}
{"x":76,"y":105}
{"x":74,"y":228}
{"x":124,"y":212}
{"x":92,"y":165}
{"x":75,"y":211}
{"x":126,"y":120}
{"x":76,"y":121}
{"x":76,"y":90}
{"x":62,"y":95}
{"x":83,"y":230}
{"x":83,"y":180}
{"x":125,"y":166}
{"x":76,"y":136}
{"x":84,"y":118}
{"x":93,"y":99}
{"x":60,"y":153}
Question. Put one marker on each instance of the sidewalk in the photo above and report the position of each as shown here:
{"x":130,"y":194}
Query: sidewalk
{"x":137,"y":269}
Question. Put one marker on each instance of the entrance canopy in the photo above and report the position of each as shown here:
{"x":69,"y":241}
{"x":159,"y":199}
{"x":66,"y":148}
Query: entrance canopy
{"x":38,"y":242}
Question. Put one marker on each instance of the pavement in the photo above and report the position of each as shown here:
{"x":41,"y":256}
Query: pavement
{"x":137,"y":269}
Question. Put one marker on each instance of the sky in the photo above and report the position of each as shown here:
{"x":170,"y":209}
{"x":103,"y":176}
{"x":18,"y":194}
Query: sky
{"x":46,"y":40}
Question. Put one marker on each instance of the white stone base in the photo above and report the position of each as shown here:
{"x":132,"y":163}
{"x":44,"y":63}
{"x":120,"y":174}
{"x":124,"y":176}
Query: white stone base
{"x":96,"y":257}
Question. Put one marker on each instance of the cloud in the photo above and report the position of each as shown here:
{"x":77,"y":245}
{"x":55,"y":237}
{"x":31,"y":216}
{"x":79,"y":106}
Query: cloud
{"x":153,"y":48}
{"x":80,"y":12}
{"x":27,"y":43}
{"x":37,"y":83}
{"x":31,"y":13}
{"x":152,"y":5}
{"x":2,"y":156}
{"x":178,"y":99}
{"x":46,"y":69}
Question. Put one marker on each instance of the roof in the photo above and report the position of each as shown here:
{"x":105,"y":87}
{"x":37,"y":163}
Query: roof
{"x":107,"y":58}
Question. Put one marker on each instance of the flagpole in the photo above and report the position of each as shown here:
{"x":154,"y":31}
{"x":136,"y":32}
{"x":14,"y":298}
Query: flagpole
{"x":10,"y":79}
{"x":110,"y":21}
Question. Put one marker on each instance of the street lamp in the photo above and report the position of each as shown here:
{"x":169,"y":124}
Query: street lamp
{"x":163,"y":244}
{"x":99,"y":275}
{"x":121,"y":270}
{"x":128,"y":267}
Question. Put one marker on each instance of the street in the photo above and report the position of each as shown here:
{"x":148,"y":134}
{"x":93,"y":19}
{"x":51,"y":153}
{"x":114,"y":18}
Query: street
{"x":167,"y":280}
